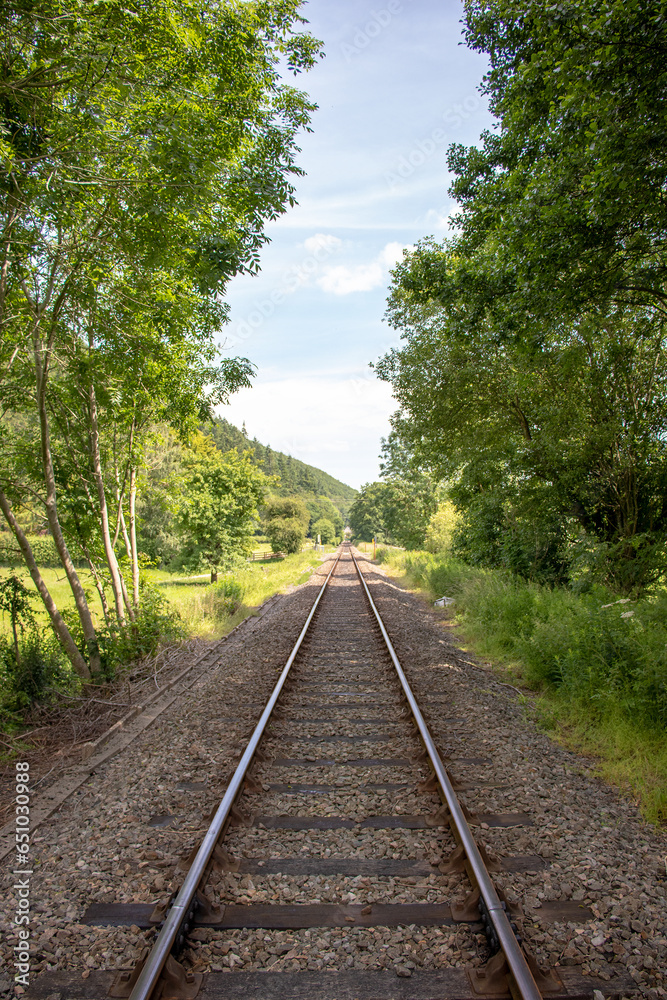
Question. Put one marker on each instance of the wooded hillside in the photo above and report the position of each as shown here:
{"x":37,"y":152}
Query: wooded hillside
{"x":295,"y":477}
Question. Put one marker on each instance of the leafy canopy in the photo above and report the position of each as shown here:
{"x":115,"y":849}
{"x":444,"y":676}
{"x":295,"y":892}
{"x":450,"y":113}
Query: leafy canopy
{"x":564,"y":205}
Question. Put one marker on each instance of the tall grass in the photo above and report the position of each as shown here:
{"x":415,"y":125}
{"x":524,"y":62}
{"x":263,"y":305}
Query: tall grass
{"x":211,"y":610}
{"x":600,"y":663}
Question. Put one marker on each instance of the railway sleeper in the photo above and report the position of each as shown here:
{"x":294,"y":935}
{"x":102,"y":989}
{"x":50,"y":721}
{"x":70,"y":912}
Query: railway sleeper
{"x":423,"y":984}
{"x":298,"y":916}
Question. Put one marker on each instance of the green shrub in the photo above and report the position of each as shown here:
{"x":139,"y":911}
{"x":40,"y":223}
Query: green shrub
{"x":227,"y":595}
{"x":156,"y":624}
{"x":41,"y":666}
{"x":608,"y":654}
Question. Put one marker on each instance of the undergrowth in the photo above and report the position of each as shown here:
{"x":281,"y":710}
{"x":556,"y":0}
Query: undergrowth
{"x":599,"y":663}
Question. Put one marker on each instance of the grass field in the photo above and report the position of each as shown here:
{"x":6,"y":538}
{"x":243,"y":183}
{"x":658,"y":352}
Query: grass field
{"x":56,"y":581}
{"x":195,"y":599}
{"x":192,"y":596}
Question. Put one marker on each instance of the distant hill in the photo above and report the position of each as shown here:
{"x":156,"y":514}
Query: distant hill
{"x":296,"y":478}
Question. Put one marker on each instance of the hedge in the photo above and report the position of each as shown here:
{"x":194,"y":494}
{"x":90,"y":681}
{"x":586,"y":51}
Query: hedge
{"x":42,"y":546}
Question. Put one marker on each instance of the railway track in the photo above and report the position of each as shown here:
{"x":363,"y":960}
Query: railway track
{"x":341,"y":787}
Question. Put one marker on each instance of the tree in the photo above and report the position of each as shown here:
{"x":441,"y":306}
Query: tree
{"x":286,"y":534}
{"x":441,"y":528}
{"x":157,"y":497}
{"x":144,"y":149}
{"x":324,"y":528}
{"x":397,"y":510}
{"x":219,"y":508}
{"x":538,"y":443}
{"x":322,"y":508}
{"x":366,"y":517}
{"x":565,"y":201}
{"x":408,"y":505}
{"x":286,"y":524}
{"x":533,"y":376}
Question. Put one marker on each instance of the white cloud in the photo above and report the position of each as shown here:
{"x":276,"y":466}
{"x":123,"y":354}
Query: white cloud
{"x":343,"y":280}
{"x":343,"y":438}
{"x":322,"y":242}
{"x":392,"y":254}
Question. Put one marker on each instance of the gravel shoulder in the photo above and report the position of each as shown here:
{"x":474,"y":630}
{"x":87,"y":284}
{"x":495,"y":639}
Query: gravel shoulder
{"x":100,"y":845}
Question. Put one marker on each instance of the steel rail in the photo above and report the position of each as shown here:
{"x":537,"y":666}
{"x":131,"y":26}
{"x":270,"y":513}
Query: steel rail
{"x":157,"y":957}
{"x":516,"y":960}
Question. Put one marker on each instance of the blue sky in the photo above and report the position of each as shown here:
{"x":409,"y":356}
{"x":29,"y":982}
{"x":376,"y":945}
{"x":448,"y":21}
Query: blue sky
{"x":396,"y":87}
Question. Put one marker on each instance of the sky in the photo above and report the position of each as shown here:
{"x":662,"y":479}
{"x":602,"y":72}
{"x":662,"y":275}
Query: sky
{"x":396,"y":87}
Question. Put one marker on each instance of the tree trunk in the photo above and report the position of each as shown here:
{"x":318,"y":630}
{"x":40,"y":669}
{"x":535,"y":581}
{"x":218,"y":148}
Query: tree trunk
{"x":112,"y":562}
{"x":120,"y":524}
{"x":51,"y":505}
{"x":133,"y":537}
{"x":126,"y":599}
{"x":16,"y":642}
{"x":99,"y":585}
{"x":59,"y":627}
{"x":128,"y":550}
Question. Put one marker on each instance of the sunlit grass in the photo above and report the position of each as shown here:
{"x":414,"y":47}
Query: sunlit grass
{"x":195,"y":599}
{"x":59,"y":588}
{"x":192,"y":596}
{"x":627,"y":755}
